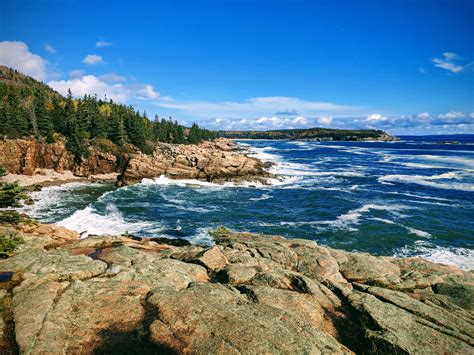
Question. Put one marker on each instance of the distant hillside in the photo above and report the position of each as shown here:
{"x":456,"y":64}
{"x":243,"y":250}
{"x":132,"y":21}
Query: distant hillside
{"x":31,"y":108}
{"x":319,"y":134}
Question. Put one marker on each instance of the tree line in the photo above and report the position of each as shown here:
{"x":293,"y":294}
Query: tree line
{"x":306,"y":133}
{"x":31,"y":108}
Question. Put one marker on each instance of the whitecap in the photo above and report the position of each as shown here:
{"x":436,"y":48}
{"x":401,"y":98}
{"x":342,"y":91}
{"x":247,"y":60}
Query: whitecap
{"x":431,"y":181}
{"x":261,"y":198}
{"x":460,"y":257}
{"x":418,"y":232}
{"x":345,"y":220}
{"x":89,"y":221}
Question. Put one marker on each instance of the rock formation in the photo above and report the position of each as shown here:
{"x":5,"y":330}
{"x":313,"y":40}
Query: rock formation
{"x":246,"y":294}
{"x":27,"y":156}
{"x":212,"y":160}
{"x":206,"y":161}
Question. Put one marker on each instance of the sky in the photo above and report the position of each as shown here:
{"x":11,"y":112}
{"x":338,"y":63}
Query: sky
{"x":403,"y":66}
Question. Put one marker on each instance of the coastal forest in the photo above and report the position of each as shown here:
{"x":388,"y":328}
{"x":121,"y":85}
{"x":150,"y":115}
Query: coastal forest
{"x":319,"y":134}
{"x":31,"y":108}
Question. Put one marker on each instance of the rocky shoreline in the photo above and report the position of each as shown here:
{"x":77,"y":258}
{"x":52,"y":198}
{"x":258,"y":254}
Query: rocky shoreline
{"x":246,"y":294}
{"x":31,"y":163}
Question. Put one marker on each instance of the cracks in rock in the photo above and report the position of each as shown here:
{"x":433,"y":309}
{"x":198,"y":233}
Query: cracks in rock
{"x":8,"y":344}
{"x":136,"y":340}
{"x":423,"y":319}
{"x":50,"y":310}
{"x":247,"y":292}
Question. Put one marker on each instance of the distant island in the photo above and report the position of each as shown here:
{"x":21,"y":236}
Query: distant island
{"x":316,"y":134}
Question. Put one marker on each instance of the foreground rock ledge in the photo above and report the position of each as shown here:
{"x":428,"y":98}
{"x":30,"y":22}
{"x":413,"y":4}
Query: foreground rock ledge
{"x":247,"y":294}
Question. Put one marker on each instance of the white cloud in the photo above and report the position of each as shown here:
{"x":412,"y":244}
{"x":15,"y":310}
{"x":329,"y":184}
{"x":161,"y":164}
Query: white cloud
{"x":449,"y":62}
{"x":423,"y":115}
{"x":91,"y":59}
{"x":90,"y":84}
{"x":100,"y":44}
{"x":49,"y":48}
{"x":452,"y":115}
{"x":18,"y":56}
{"x":300,"y":120}
{"x":258,"y":107}
{"x":376,"y":117}
{"x":325,"y":120}
{"x":450,"y":55}
{"x":471,"y":115}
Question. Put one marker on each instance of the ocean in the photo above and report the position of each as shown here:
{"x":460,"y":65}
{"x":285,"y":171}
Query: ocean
{"x":414,"y":197}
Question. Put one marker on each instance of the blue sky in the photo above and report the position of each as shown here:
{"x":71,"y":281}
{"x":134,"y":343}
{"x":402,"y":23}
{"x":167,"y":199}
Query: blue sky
{"x":403,"y":66}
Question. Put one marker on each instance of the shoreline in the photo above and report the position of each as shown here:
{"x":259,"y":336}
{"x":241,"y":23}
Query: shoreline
{"x":49,"y":177}
{"x":102,"y":287}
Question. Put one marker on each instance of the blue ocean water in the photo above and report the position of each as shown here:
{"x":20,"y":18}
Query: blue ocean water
{"x":413,"y":197}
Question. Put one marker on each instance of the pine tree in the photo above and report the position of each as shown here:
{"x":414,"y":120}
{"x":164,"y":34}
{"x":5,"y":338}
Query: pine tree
{"x":43,"y":119}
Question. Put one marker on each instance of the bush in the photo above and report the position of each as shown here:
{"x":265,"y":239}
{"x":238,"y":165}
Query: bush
{"x":3,"y":170}
{"x":8,"y":244}
{"x":105,"y":145}
{"x":11,"y":195}
{"x":10,"y":217}
{"x":148,"y":148}
{"x":219,"y":232}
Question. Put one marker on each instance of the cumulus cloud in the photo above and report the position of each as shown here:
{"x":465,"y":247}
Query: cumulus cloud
{"x":100,"y":44}
{"x":423,"y":115}
{"x":452,"y":115}
{"x":325,"y":120}
{"x":375,"y":117}
{"x":92,"y":59}
{"x":49,"y":48}
{"x":93,"y":85}
{"x":422,"y":123}
{"x":449,"y":61}
{"x":15,"y":54}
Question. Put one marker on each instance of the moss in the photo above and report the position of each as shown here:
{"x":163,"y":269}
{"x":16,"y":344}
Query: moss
{"x":8,"y":244}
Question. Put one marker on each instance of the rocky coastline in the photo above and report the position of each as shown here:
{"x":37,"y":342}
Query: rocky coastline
{"x":246,"y":294}
{"x":33,"y":163}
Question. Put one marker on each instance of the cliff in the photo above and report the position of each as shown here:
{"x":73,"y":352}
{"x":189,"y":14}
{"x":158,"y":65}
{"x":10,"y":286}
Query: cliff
{"x":211,"y":160}
{"x":206,"y":161}
{"x":246,"y":294}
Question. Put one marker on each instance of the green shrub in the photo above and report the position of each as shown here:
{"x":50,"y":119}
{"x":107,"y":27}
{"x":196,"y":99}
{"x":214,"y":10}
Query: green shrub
{"x":3,"y":170}
{"x":11,"y":195}
{"x":8,"y":244}
{"x":10,"y":217}
{"x":105,"y":145}
{"x":219,"y":232}
{"x":148,"y":148}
